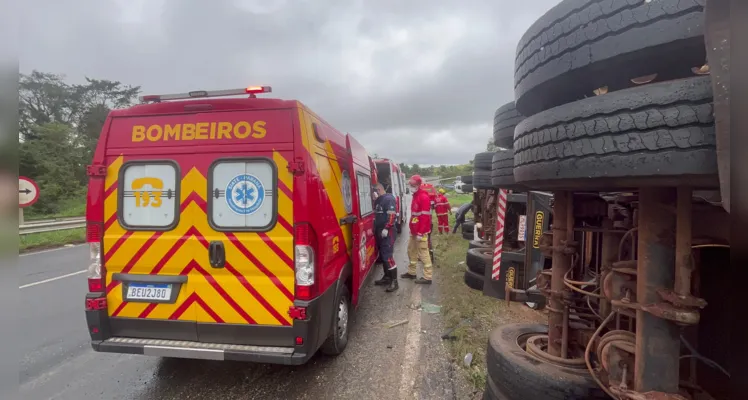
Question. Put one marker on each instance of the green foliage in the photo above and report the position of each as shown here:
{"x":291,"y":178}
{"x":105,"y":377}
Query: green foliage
{"x":59,"y":127}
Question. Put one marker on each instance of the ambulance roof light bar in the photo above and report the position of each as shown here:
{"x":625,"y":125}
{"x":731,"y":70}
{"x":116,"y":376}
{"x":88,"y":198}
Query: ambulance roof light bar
{"x":197,"y":94}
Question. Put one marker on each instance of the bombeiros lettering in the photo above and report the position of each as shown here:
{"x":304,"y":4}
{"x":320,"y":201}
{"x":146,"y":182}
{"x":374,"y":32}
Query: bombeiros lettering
{"x":199,"y":131}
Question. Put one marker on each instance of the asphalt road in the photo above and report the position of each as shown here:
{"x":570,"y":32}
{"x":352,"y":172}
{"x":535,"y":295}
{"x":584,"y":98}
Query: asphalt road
{"x":404,"y":362}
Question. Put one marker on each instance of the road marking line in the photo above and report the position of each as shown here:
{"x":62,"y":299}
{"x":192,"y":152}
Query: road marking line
{"x":412,"y":346}
{"x":52,"y":279}
{"x":50,"y":250}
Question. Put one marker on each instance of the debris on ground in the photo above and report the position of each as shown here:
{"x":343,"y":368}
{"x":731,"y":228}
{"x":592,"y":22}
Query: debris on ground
{"x":430,"y":308}
{"x":396,"y":323}
{"x":448,"y":333}
{"x":468,"y":360}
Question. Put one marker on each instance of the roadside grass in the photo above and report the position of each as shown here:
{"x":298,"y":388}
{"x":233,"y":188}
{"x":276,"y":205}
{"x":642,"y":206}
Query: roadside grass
{"x":460,"y":303}
{"x":74,"y":207}
{"x":43,"y":240}
{"x":458,"y":199}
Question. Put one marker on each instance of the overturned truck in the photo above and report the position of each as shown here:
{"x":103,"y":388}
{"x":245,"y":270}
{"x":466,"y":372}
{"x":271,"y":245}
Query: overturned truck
{"x":619,"y":117}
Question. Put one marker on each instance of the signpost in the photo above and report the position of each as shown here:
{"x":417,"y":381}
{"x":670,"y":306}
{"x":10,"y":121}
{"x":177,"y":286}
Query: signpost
{"x":28,"y":194}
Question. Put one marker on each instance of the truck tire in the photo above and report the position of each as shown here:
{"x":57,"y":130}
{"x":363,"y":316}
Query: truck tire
{"x":504,"y":121}
{"x":466,"y":179}
{"x":468,"y":226}
{"x":478,"y":259}
{"x":338,"y":339}
{"x":519,"y":376}
{"x":478,"y":244}
{"x":473,"y":280}
{"x":482,"y":179}
{"x":658,"y":134}
{"x":502,"y":172}
{"x":482,"y":161}
{"x":581,"y":45}
{"x":467,"y":188}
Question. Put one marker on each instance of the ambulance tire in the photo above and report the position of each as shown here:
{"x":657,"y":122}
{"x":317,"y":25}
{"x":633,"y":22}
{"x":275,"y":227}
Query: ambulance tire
{"x":478,"y":259}
{"x":504,"y":120}
{"x":517,"y":375}
{"x":337,"y":341}
{"x":482,"y":179}
{"x":473,"y":280}
{"x":478,"y":244}
{"x":580,"y":45}
{"x":466,"y":179}
{"x":482,"y":161}
{"x":399,"y":226}
{"x":660,"y":134}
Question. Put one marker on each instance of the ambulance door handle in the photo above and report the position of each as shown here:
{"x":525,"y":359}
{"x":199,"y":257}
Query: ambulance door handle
{"x":216,"y":254}
{"x":348,"y":220}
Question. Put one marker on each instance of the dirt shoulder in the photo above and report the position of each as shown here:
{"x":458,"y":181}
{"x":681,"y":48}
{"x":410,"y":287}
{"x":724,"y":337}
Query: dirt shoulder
{"x":475,"y":314}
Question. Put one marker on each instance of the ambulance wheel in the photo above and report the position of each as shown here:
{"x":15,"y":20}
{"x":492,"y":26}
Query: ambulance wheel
{"x":473,"y":280}
{"x":338,"y":339}
{"x":517,"y":375}
{"x":399,"y":227}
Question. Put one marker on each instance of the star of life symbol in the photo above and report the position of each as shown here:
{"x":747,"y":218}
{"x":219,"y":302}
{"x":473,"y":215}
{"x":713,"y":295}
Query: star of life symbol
{"x":245,"y":194}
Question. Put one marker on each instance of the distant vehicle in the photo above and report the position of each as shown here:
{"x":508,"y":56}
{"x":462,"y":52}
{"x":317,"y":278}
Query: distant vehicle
{"x":226,"y":229}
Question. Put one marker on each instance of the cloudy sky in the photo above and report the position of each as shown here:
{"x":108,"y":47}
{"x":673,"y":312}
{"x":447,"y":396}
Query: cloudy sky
{"x":414,"y":80}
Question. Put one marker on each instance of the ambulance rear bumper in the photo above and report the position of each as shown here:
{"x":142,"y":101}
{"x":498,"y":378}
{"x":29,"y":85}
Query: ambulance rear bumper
{"x":202,"y":351}
{"x":212,"y":341}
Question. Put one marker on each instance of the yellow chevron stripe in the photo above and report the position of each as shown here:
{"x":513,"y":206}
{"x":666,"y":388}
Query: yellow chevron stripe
{"x":112,"y":172}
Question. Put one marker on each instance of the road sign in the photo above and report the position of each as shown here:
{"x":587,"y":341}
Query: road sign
{"x":28,"y":192}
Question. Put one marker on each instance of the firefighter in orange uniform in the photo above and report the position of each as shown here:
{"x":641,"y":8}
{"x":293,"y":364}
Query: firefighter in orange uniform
{"x":443,"y":210}
{"x":420,"y":228}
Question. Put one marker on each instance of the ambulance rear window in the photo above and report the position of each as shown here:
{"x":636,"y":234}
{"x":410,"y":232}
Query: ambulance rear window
{"x":365,"y":202}
{"x":148,"y":195}
{"x":242,"y":194}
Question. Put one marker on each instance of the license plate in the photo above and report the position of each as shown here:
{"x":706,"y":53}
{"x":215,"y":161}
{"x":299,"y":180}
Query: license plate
{"x":149,"y":291}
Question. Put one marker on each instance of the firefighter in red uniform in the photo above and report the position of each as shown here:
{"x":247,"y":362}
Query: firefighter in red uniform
{"x":420,"y":228}
{"x":443,"y":210}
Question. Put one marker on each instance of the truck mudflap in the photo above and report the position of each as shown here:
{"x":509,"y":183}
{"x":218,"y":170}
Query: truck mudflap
{"x":717,"y":36}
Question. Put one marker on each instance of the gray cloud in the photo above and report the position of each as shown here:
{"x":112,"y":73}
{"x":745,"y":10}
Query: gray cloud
{"x":417,"y":81}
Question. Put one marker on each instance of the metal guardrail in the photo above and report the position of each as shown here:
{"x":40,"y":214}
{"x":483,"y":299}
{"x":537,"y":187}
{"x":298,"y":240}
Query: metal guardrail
{"x":51,"y":225}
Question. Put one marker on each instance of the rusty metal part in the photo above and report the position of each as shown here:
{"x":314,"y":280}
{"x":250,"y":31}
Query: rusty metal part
{"x":619,"y":286}
{"x":609,"y":255}
{"x":658,"y":340}
{"x":679,"y":300}
{"x":683,"y":236}
{"x":665,"y":311}
{"x":624,"y":394}
{"x":628,"y":233}
{"x":537,"y":346}
{"x":560,"y":266}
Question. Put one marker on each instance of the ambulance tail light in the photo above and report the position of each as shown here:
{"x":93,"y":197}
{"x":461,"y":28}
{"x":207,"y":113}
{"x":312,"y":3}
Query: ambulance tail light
{"x":93,"y":237}
{"x":304,"y":262}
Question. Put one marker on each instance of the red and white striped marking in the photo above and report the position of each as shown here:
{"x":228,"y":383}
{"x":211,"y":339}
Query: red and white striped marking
{"x":500,"y":215}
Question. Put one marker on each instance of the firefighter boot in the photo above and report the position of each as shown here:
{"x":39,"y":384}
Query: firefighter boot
{"x":393,"y":282}
{"x":386,"y":278}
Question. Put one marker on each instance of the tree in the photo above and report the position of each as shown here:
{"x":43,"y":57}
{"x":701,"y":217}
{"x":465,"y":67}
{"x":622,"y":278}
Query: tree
{"x":59,"y":126}
{"x":491,"y":146}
